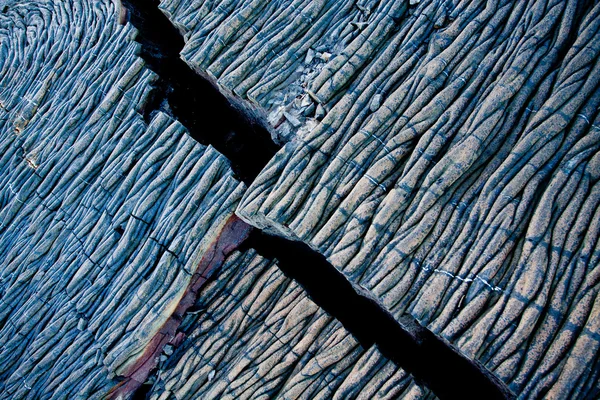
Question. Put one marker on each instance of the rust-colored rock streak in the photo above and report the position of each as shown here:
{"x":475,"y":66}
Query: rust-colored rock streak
{"x":234,"y":232}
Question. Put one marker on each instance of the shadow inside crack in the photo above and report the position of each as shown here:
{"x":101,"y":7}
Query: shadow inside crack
{"x":433,"y":362}
{"x":213,"y":119}
{"x":209,"y":116}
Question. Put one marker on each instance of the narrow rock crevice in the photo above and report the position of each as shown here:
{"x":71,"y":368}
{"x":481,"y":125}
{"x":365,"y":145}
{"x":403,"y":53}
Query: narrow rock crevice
{"x":233,"y":233}
{"x":210,"y":117}
{"x":434,"y":362}
{"x":213,"y":119}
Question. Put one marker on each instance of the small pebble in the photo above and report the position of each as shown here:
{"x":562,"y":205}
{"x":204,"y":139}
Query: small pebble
{"x":320,"y":113}
{"x":310,"y":56}
{"x":292,"y":120}
{"x":325,"y":56}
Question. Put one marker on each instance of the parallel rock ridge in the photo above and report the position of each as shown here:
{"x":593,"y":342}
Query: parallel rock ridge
{"x":279,"y":54}
{"x":257,"y":335}
{"x":110,"y":226}
{"x":444,"y":155}
{"x":105,"y":220}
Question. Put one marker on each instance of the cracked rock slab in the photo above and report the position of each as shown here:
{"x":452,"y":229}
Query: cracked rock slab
{"x":256,"y":334}
{"x":107,"y":222}
{"x":290,"y":59}
{"x":450,"y":167}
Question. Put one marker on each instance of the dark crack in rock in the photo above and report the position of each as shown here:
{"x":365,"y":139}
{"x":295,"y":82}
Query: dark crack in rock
{"x":450,"y":167}
{"x":256,"y":334}
{"x":444,"y":155}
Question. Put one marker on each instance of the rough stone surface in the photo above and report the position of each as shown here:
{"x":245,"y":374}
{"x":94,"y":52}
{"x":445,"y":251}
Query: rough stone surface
{"x":104,"y":220}
{"x":443,"y":154}
{"x":289,"y":58}
{"x":111,"y":225}
{"x":255,"y":334}
{"x":451,"y":166}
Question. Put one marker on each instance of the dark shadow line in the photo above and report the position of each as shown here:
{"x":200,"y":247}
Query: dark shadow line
{"x":211,"y":118}
{"x":431,"y":360}
{"x":244,"y":138}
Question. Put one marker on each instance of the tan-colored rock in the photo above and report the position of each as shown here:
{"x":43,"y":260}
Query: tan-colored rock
{"x":454,"y":171}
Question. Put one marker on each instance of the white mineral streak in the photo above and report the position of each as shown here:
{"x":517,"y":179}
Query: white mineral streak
{"x":445,"y":155}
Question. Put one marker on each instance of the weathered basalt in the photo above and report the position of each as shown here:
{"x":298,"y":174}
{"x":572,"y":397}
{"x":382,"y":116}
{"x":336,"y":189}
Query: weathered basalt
{"x":256,"y":334}
{"x":450,"y":166}
{"x":443,"y":155}
{"x":108,"y":224}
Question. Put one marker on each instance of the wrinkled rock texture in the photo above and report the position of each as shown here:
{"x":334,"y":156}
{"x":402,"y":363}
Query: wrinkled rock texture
{"x":110,"y":226}
{"x":257,"y":335}
{"x":105,"y":220}
{"x":442,"y":154}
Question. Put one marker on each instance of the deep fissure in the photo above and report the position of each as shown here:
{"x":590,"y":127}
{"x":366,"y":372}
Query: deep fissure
{"x":209,"y":117}
{"x":432,"y":361}
{"x":213,"y":119}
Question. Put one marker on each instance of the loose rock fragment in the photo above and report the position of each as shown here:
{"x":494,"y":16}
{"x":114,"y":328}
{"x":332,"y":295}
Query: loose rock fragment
{"x":264,"y":51}
{"x":442,"y":154}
